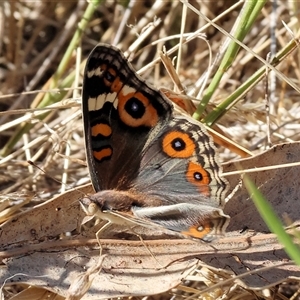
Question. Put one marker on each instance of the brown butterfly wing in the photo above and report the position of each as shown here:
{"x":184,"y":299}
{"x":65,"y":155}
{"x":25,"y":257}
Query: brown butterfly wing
{"x":121,"y":114}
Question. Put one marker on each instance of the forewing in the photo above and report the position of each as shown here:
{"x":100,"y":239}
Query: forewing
{"x":121,"y":114}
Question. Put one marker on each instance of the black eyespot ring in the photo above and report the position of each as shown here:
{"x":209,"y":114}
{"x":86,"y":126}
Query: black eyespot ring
{"x":198,"y":176}
{"x":178,"y":144}
{"x":135,"y":108}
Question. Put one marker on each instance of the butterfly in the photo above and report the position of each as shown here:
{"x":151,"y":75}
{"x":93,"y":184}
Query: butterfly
{"x":147,"y":165}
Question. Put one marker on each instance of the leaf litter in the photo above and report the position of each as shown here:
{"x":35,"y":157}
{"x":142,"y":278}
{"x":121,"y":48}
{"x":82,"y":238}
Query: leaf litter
{"x":35,"y":39}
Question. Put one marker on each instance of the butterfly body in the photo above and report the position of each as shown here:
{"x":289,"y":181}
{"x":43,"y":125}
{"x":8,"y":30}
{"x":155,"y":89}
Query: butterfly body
{"x":145,"y":163}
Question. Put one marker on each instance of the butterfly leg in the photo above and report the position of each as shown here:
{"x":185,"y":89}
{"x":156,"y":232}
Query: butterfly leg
{"x":147,"y":248}
{"x":105,"y":226}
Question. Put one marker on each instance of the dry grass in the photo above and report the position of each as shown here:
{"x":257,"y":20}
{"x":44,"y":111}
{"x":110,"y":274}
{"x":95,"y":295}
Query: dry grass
{"x":35,"y":36}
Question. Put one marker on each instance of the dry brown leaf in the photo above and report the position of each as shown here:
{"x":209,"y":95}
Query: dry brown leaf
{"x":36,"y":293}
{"x":60,"y":214}
{"x":280,"y":186}
{"x":127,"y":270}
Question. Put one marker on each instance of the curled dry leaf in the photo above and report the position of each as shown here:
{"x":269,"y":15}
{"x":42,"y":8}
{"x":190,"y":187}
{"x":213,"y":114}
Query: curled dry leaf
{"x":82,"y":283}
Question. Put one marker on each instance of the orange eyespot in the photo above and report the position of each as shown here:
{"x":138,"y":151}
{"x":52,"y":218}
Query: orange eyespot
{"x":198,"y":231}
{"x":102,"y":154}
{"x":102,"y":129}
{"x":178,"y":144}
{"x":198,"y":176}
{"x":135,"y":109}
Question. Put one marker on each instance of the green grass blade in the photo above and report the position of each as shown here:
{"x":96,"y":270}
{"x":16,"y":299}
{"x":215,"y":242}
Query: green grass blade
{"x":239,"y":93}
{"x":272,"y":220}
{"x":243,"y":25}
